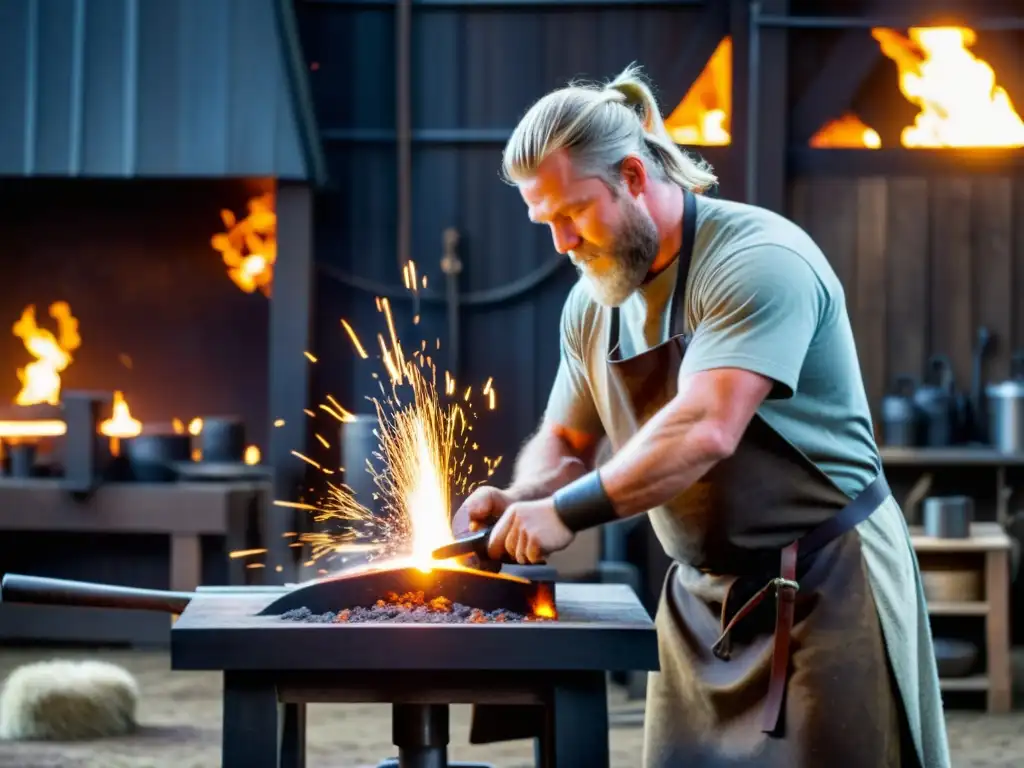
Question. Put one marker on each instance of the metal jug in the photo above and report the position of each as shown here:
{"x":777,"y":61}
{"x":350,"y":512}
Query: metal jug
{"x":935,"y":401}
{"x":901,"y":424}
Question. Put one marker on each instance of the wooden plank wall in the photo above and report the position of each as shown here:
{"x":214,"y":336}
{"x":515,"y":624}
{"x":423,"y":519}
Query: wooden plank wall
{"x":924,"y":262}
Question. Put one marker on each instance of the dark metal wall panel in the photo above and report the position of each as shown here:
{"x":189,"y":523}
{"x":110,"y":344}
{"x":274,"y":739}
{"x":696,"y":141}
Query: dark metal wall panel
{"x":472,"y":69}
{"x":147,"y":88}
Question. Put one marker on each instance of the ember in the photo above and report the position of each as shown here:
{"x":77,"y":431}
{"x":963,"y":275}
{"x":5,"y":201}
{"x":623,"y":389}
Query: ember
{"x":410,"y":608}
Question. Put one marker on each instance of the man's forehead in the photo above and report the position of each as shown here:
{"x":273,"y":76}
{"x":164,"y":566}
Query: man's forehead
{"x":553,"y":187}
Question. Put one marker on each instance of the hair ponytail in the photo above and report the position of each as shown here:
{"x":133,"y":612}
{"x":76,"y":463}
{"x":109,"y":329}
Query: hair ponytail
{"x":600,"y":125}
{"x":697,"y":176}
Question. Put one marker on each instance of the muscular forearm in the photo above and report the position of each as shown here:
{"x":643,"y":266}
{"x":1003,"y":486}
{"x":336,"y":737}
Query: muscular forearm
{"x":546,"y":463}
{"x":671,"y":452}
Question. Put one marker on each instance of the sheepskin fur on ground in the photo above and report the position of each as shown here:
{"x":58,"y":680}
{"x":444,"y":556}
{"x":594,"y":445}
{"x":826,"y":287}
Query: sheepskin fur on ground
{"x":68,"y":701}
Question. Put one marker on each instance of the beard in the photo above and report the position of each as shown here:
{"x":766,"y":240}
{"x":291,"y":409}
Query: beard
{"x":611,"y":276}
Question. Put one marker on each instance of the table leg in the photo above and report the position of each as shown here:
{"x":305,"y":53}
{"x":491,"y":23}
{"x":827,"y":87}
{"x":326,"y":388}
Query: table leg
{"x":293,"y":736}
{"x":997,"y":586}
{"x":576,"y":726}
{"x":252,"y":735}
{"x":421,"y":733}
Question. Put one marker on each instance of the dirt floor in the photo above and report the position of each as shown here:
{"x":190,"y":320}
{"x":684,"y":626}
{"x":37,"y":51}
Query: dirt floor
{"x":180,"y":714}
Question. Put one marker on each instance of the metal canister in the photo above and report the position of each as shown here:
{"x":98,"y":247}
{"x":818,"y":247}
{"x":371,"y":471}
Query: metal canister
{"x":1005,"y":405}
{"x":948,"y":517}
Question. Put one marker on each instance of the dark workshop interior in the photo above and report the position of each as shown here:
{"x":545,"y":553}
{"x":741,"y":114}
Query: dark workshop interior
{"x":224,"y":224}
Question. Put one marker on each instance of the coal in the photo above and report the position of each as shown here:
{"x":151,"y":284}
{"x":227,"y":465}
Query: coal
{"x":409,"y":608}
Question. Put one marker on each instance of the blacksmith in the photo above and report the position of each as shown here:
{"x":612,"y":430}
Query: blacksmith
{"x":709,"y":342}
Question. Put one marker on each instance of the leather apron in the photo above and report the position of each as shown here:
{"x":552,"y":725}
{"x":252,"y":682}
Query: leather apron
{"x":789,"y":668}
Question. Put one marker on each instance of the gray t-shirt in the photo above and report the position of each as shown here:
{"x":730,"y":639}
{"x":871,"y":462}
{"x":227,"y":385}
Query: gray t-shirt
{"x":760,"y":296}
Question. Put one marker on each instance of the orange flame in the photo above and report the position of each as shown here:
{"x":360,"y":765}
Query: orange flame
{"x":252,"y":455}
{"x":40,"y":379}
{"x":703,"y":116}
{"x":847,"y":132}
{"x":249,"y":246}
{"x":961,"y":103}
{"x":120,"y":424}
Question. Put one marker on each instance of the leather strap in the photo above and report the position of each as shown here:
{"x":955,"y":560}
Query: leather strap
{"x":786,"y":587}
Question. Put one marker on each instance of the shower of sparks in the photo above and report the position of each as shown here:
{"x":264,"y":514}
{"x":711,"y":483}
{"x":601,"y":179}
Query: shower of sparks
{"x":423,"y":457}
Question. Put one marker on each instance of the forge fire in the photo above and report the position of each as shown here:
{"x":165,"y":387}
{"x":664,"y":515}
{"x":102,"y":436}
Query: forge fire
{"x":412,"y":608}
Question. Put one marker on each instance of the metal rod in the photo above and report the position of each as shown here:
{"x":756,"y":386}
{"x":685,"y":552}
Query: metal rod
{"x":403,"y":124}
{"x":40,"y":590}
{"x":1003,"y":24}
{"x":451,"y":265}
{"x":491,"y":5}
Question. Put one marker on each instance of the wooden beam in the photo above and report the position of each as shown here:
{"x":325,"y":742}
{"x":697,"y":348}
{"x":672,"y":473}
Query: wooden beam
{"x":833,"y":89}
{"x":291,"y":334}
{"x":732,"y":181}
{"x":701,"y":42}
{"x":831,"y":92}
{"x":766,"y":126}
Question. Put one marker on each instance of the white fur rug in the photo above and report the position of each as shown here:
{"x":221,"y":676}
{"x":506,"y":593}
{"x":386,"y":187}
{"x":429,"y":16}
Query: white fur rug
{"x":62,"y":700}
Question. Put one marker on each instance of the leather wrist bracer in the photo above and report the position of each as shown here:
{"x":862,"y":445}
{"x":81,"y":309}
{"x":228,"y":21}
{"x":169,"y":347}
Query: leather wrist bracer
{"x":584,"y":504}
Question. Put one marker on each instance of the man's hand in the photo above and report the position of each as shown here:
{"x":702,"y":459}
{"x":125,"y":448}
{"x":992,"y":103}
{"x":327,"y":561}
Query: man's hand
{"x":528,"y":531}
{"x":482,"y":507}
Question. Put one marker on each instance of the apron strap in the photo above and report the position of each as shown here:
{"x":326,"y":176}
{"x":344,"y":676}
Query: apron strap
{"x":785,"y":586}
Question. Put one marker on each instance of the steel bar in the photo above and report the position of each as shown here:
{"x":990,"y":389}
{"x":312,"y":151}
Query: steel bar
{"x":994,"y":24}
{"x":403,"y":120}
{"x":40,"y":590}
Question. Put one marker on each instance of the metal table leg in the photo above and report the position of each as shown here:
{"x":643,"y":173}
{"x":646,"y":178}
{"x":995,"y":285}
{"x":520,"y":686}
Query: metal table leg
{"x":252,"y":719}
{"x":293,"y":736}
{"x":420,"y":731}
{"x":576,"y":727}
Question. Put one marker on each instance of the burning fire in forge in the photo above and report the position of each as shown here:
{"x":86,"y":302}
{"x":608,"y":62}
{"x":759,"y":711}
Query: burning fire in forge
{"x":960,"y":101}
{"x":40,"y":379}
{"x":426,"y":454}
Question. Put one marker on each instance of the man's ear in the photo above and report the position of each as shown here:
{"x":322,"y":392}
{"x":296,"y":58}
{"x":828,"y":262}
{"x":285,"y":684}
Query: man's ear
{"x":634,"y":175}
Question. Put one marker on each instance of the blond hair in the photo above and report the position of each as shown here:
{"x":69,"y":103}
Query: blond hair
{"x":599,"y":125}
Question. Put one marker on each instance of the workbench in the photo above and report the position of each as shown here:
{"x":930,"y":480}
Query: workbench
{"x":273,"y":668}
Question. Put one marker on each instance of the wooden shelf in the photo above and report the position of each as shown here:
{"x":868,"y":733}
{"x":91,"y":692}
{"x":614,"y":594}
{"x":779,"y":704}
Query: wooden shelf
{"x":972,"y":608}
{"x":985,"y":537}
{"x":990,"y":547}
{"x":972,"y":683}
